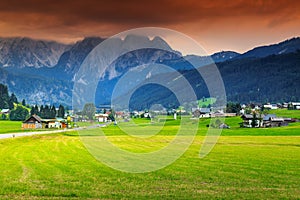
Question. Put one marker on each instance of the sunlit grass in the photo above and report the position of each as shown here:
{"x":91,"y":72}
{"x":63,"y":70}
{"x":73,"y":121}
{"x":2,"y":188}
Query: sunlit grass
{"x":239,"y":167}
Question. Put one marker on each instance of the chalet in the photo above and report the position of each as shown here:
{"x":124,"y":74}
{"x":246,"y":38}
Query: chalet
{"x":32,"y":122}
{"x":224,"y":126}
{"x":295,"y":105}
{"x":101,"y":117}
{"x":201,"y":112}
{"x":248,"y":121}
{"x":271,"y":106}
{"x":271,"y":120}
{"x":266,"y":121}
{"x":5,"y":111}
{"x":56,"y":123}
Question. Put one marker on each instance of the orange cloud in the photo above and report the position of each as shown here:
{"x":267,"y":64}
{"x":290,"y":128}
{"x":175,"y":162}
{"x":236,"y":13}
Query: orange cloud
{"x":215,"y":23}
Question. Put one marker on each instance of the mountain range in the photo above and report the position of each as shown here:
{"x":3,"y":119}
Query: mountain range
{"x":43,"y":72}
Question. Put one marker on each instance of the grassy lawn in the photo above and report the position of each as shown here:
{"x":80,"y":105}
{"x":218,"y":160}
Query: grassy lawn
{"x":7,"y":126}
{"x":10,"y":126}
{"x":206,"y":101}
{"x":246,"y":163}
{"x":258,"y":165}
{"x":286,"y":113}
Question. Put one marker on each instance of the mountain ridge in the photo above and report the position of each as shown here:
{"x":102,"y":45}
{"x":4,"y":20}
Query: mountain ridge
{"x":55,"y":82}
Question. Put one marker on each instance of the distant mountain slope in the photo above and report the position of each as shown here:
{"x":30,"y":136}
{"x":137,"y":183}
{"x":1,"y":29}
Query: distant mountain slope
{"x":287,"y":46}
{"x":71,"y":60}
{"x":224,"y":55}
{"x":271,"y":79}
{"x":26,"y":52}
{"x":254,"y":78}
{"x":36,"y":89}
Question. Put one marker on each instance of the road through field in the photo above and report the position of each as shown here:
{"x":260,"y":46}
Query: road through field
{"x":13,"y":135}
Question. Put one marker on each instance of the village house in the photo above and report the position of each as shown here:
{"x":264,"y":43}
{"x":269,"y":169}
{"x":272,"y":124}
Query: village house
{"x":101,"y":117}
{"x":271,"y":120}
{"x":271,"y":106}
{"x":295,"y":105}
{"x":248,"y":121}
{"x":35,"y":122}
{"x":201,"y":112}
{"x":5,"y":111}
{"x":265,"y":121}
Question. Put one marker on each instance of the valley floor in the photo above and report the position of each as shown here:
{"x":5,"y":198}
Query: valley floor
{"x":58,"y":166}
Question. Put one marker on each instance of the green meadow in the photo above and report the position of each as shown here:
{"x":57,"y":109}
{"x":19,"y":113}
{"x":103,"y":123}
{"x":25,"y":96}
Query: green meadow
{"x":244,"y":164}
{"x":7,"y":126}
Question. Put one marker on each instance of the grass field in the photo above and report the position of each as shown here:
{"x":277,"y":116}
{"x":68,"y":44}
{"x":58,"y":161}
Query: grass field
{"x":245,"y":164}
{"x":7,"y":126}
{"x":206,"y":101}
{"x":58,"y":166}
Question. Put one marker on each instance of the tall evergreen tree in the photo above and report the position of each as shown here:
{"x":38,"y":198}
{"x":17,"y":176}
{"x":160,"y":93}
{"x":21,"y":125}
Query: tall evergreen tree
{"x":42,"y":112}
{"x":47,"y":112}
{"x":32,"y":111}
{"x":53,"y":112}
{"x":36,"y":109}
{"x":19,"y":114}
{"x":61,"y":111}
{"x":12,"y":99}
{"x":4,"y":97}
{"x":23,"y":102}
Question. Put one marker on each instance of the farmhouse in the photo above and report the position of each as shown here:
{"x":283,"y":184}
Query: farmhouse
{"x":5,"y":111}
{"x":248,"y":121}
{"x":295,"y":105}
{"x":201,"y":112}
{"x":271,"y":120}
{"x":101,"y":117}
{"x":271,"y":106}
{"x":32,"y":122}
{"x":265,"y":121}
{"x":35,"y":121}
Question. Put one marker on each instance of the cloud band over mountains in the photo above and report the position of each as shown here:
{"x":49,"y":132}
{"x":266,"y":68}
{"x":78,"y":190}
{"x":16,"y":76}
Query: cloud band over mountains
{"x":215,"y":24}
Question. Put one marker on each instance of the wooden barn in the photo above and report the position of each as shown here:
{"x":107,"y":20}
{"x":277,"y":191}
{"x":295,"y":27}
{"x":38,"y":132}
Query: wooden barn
{"x":33,"y":122}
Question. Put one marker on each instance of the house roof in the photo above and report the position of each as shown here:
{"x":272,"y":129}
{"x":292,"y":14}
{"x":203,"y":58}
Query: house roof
{"x":247,"y":116}
{"x":277,"y":119}
{"x":267,"y":117}
{"x":195,"y":109}
{"x":205,"y":110}
{"x":35,"y":118}
{"x":4,"y":110}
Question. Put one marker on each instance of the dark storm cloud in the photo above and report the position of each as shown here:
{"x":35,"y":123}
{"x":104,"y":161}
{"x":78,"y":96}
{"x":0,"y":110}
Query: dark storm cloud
{"x":138,"y":12}
{"x":68,"y":20}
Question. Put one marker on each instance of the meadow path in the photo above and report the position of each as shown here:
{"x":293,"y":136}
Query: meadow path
{"x":23,"y":134}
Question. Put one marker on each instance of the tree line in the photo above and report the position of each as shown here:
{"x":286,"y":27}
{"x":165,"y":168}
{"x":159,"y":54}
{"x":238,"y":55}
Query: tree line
{"x":47,"y":111}
{"x":19,"y":111}
{"x":7,"y":101}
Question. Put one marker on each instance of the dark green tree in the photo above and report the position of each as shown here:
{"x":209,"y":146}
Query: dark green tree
{"x":46,"y":112}
{"x":32,"y":110}
{"x":89,"y":110}
{"x":19,"y":114}
{"x":254,"y":120}
{"x":4,"y":97}
{"x":61,"y":111}
{"x":112,"y":114}
{"x":42,"y":112}
{"x":53,"y":112}
{"x":23,"y":102}
{"x":3,"y":117}
{"x":12,"y":99}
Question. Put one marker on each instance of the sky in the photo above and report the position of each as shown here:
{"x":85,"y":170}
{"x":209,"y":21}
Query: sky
{"x":237,"y":25}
